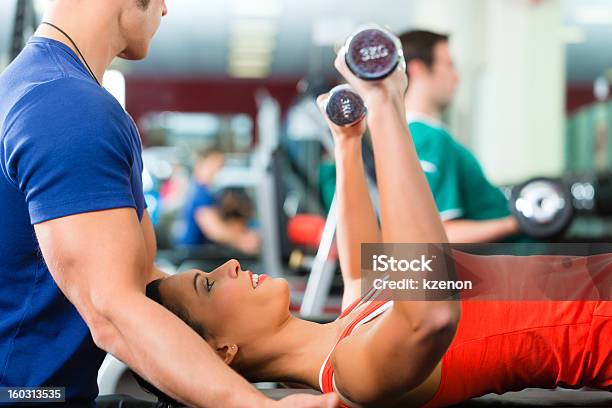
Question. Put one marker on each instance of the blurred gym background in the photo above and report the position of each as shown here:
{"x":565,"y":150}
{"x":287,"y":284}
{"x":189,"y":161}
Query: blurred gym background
{"x":242,"y":74}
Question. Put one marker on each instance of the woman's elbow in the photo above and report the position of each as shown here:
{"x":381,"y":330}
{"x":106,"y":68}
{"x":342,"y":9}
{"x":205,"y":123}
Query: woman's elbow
{"x":442,"y":321}
{"x":430,"y":317}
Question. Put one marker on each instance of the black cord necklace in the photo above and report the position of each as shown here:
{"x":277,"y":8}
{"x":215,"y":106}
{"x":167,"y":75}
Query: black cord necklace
{"x":76,"y":48}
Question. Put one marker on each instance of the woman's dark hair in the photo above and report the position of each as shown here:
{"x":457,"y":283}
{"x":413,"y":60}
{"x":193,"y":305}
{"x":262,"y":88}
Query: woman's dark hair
{"x":419,"y":45}
{"x":152,"y":292}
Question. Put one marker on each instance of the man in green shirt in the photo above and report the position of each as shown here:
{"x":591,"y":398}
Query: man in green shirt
{"x":472,"y":209}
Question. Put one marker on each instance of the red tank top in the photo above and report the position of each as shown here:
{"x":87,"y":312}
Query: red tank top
{"x":507,"y":346}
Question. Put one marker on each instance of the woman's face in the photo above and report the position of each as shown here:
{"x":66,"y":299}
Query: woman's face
{"x":232,"y":305}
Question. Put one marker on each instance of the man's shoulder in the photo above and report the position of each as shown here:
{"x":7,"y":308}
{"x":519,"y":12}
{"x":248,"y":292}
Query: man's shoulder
{"x":466,"y":156}
{"x":429,"y":127}
{"x":68,"y":112}
{"x":429,"y":139}
{"x":35,"y":79}
{"x":73,"y":92}
{"x":64,"y":101}
{"x":448,"y":146}
{"x":436,"y":136}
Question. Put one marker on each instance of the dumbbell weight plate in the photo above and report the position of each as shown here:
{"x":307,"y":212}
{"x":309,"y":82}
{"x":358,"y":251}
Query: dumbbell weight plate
{"x":372,"y":53}
{"x":344,"y":106}
{"x":543,"y":207}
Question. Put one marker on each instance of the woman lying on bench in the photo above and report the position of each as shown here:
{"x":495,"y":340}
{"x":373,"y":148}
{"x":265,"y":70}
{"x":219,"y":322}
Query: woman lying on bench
{"x":390,"y":353}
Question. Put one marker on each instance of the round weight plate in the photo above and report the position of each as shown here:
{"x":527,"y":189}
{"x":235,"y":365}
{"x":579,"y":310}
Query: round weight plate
{"x":344,"y":106}
{"x":543,"y":207}
{"x":372,"y":53}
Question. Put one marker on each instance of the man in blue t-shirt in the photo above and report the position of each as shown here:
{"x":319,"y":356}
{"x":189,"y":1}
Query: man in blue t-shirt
{"x":76,"y":242}
{"x":202,"y":221}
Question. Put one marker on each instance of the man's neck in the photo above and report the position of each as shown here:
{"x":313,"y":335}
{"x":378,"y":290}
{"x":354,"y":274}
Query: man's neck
{"x":297,"y":352}
{"x":94,"y":32}
{"x":418,"y":105}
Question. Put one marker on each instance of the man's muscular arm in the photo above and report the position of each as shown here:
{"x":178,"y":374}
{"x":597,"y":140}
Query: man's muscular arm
{"x":151,"y":245}
{"x":100,"y":262}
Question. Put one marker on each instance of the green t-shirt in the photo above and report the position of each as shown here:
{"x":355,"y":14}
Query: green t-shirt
{"x":457,"y":182}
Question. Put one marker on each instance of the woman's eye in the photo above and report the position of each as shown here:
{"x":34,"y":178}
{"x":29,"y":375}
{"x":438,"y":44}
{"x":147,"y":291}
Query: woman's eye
{"x":209,"y":284}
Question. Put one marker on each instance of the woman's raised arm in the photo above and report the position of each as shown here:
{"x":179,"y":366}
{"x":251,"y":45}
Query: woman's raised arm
{"x":357,"y":222}
{"x":411,"y":338}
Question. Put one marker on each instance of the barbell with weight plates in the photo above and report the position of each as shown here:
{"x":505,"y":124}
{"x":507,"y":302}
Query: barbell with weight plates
{"x":543,"y":207}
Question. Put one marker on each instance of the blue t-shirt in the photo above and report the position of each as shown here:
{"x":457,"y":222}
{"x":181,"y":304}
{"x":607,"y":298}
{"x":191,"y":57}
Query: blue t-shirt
{"x":66,"y":147}
{"x":199,"y":196}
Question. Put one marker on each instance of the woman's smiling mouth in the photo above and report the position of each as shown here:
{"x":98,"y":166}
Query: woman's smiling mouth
{"x":256,"y":279}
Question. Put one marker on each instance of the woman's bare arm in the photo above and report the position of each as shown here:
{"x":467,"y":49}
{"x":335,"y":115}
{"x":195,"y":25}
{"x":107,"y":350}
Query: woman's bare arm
{"x":357,"y":222}
{"x":410,"y":339}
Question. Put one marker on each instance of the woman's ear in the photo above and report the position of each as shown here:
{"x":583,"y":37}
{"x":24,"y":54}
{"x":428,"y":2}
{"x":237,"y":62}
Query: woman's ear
{"x":227,"y":352}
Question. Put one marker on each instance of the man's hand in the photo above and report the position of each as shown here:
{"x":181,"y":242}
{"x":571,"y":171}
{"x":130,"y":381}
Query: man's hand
{"x":307,"y":401}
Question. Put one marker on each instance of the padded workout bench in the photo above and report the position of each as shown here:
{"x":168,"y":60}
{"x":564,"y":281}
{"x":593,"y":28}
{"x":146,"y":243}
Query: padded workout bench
{"x":526,"y":398}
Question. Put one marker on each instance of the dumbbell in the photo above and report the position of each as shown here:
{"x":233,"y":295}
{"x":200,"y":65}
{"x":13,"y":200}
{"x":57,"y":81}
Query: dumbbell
{"x":372,"y":53}
{"x":542,"y":207}
{"x":344,"y":106}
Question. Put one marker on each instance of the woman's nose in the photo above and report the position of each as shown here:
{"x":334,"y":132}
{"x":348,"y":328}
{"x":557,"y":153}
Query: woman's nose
{"x":233,"y":268}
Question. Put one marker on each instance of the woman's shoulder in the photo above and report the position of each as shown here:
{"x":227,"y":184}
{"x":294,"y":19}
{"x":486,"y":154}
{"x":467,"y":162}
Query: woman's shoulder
{"x":346,"y":362}
{"x":360,"y":369}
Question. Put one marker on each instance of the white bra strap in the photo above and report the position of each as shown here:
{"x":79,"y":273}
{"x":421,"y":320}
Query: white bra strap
{"x":377,"y":312}
{"x":372,"y":294}
{"x":343,"y":399}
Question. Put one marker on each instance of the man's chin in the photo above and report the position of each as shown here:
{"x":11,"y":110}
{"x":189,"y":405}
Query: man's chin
{"x":133,"y":55}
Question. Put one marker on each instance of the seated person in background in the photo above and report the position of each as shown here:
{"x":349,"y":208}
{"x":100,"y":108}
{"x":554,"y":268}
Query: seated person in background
{"x":236,"y":210}
{"x":472,"y":209}
{"x":204,"y":218}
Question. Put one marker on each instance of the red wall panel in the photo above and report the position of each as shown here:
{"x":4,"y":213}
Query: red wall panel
{"x":578,"y":96}
{"x":146,"y":94}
